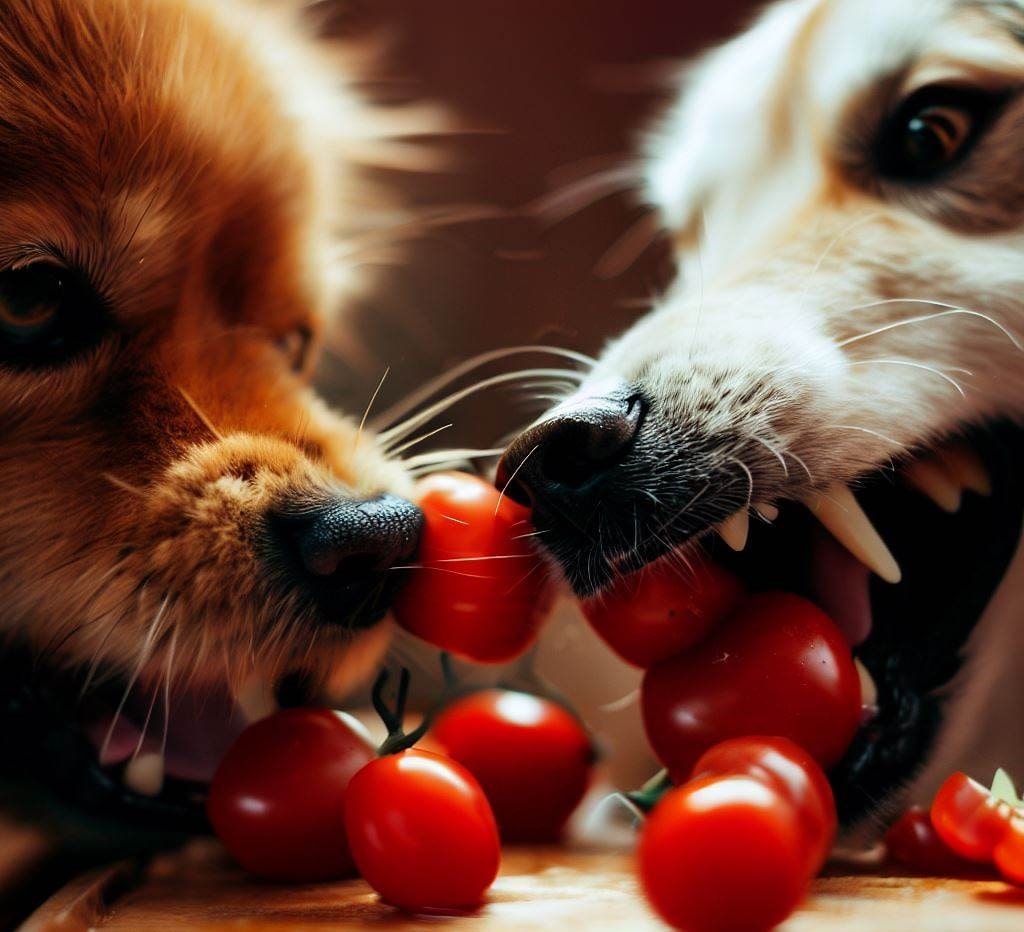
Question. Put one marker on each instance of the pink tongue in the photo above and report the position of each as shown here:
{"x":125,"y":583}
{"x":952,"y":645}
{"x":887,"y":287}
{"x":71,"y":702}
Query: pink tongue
{"x":841,"y":587}
{"x":203,"y":724}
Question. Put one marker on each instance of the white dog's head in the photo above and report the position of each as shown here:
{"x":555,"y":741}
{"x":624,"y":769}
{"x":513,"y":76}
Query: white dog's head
{"x":842,"y":184}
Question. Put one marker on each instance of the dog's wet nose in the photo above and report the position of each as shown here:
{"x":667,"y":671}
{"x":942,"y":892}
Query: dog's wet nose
{"x":567,"y":457}
{"x":340,"y":549}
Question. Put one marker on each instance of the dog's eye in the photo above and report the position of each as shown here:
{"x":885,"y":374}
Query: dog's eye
{"x":47,"y":313}
{"x":933,"y":130}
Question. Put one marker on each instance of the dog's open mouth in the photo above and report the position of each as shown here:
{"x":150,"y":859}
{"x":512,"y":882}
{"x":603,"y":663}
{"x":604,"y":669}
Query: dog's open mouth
{"x":951,"y":522}
{"x":109,"y":754}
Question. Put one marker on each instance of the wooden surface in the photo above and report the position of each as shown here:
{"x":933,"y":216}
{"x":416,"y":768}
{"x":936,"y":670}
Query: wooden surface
{"x":537,"y":889}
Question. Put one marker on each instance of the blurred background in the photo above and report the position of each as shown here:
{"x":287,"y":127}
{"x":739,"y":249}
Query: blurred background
{"x":554,"y":98}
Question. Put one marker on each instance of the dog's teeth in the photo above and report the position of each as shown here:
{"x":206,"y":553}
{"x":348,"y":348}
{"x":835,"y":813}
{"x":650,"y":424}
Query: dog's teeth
{"x":965,"y":466}
{"x":868,"y":689}
{"x":767,"y":510}
{"x":733,"y":530}
{"x":931,"y":480}
{"x":145,"y":774}
{"x":845,"y":520}
{"x":255,"y":697}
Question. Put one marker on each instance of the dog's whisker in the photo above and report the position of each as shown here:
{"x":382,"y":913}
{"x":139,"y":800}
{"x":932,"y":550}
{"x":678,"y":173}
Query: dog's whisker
{"x":190,"y":401}
{"x":416,"y":440}
{"x":511,"y":478}
{"x":444,"y":456}
{"x":123,"y":484}
{"x":415,"y":420}
{"x":369,"y":405}
{"x":917,"y":365}
{"x":431,"y":387}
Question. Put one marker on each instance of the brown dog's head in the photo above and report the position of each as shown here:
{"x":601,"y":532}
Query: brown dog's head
{"x":178,"y":507}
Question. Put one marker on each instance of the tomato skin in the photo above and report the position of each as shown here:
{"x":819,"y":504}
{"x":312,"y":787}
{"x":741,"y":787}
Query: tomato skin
{"x":532,"y":758}
{"x":487,"y":610}
{"x":1008,"y":854}
{"x":723,"y":854}
{"x":913,"y":842}
{"x":657,"y":613}
{"x":969,"y":819}
{"x":779,"y":667}
{"x":421,"y":831}
{"x":782,"y":765}
{"x":277,"y":799}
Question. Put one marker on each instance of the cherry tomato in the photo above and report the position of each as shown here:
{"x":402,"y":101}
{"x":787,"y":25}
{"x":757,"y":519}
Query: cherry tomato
{"x":421,"y":831}
{"x":781,"y":764}
{"x":532,"y":758}
{"x":914,"y":843}
{"x":657,"y":613}
{"x":277,"y":799}
{"x":779,"y":667}
{"x":479,"y":589}
{"x":1008,"y":854}
{"x":724,"y":854}
{"x":969,"y":819}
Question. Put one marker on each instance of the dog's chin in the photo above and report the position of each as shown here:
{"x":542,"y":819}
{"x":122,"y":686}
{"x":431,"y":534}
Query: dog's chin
{"x":910,"y":636}
{"x":82,"y":742}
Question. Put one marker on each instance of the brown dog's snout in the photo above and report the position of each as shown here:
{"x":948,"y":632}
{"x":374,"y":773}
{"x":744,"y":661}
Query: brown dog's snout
{"x":342,"y":552}
{"x":568,"y":458}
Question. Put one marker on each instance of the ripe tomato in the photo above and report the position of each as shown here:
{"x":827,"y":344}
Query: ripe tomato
{"x":277,"y":799}
{"x":657,"y":613}
{"x":421,"y":831}
{"x":479,"y":589}
{"x":779,"y":763}
{"x":969,"y":819}
{"x":724,"y":854}
{"x":914,"y":843}
{"x":1008,"y":855}
{"x":779,"y":667}
{"x":532,"y":758}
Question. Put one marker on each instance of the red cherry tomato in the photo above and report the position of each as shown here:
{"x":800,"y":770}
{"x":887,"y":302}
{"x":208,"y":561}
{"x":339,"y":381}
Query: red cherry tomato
{"x":657,"y":613}
{"x":277,"y":799}
{"x":779,"y":667}
{"x":421,"y":831}
{"x":724,"y":854}
{"x":532,"y":758}
{"x":479,"y":589}
{"x":914,"y":843}
{"x":969,"y":819}
{"x":1008,"y":854}
{"x":779,"y":763}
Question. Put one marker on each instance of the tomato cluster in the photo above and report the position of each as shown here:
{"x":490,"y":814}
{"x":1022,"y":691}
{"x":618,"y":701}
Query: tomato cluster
{"x":302,"y":796}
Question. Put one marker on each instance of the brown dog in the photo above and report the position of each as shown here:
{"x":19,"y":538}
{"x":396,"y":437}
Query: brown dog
{"x":180,"y":513}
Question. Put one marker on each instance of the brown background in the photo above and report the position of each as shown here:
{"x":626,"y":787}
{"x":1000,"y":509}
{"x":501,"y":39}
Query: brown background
{"x":563,"y":90}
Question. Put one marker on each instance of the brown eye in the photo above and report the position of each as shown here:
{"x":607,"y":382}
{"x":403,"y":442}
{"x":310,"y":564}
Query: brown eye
{"x":935,"y":136}
{"x":295,"y":345}
{"x":47,"y":313}
{"x":933,"y":130}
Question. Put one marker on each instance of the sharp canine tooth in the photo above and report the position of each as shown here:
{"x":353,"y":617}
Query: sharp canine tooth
{"x":734,"y":529}
{"x":145,"y":774}
{"x":868,"y":689}
{"x":767,"y":511}
{"x":255,"y":697}
{"x":932,"y":480}
{"x":843,"y":517}
{"x":965,"y":466}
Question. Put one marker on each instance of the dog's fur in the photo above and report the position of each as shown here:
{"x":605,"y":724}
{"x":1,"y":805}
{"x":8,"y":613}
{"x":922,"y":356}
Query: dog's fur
{"x":828,"y":321}
{"x":188,"y":159}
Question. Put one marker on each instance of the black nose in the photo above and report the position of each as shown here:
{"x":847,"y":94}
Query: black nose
{"x":342,"y":552}
{"x":568,"y":458}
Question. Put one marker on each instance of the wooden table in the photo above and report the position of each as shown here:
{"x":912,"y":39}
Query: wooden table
{"x":538,"y":889}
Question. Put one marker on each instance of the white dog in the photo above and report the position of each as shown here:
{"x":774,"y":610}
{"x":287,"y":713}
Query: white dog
{"x":844,"y":190}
